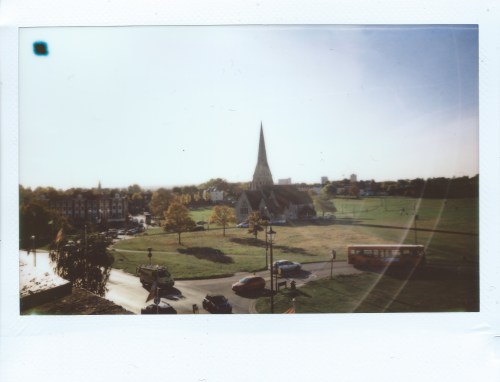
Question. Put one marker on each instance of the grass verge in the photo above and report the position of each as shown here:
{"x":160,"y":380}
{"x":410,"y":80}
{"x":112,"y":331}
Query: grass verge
{"x":433,"y":290}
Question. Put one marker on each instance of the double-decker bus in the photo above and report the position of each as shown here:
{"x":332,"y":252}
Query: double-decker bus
{"x":384,"y":255}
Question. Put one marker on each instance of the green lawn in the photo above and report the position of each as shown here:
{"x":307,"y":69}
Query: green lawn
{"x":209,"y":254}
{"x":434,"y":290}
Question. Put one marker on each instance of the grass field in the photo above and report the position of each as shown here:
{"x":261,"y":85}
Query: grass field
{"x":435,"y":290}
{"x":209,"y":254}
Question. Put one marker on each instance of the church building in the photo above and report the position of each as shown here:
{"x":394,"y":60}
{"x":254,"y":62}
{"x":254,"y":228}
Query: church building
{"x":276,"y":202}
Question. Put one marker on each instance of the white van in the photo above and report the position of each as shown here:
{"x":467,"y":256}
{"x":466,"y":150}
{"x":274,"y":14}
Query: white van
{"x":148,"y":274}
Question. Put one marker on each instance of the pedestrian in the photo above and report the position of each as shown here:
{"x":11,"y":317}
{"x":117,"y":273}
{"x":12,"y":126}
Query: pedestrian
{"x":195,"y":309}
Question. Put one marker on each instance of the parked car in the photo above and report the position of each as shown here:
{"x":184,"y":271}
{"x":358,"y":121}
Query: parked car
{"x":285,"y":266}
{"x":132,"y":231}
{"x":197,"y":228}
{"x":148,"y":274}
{"x":278,"y":222}
{"x":249,"y":284}
{"x":216,"y":303}
{"x":161,"y":308}
{"x":242,"y":225}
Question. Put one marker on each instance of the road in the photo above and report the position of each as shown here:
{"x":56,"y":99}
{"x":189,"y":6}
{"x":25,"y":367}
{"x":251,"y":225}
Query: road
{"x":125,"y":289}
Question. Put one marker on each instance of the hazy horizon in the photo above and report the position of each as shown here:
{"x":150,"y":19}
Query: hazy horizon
{"x":181,"y":105}
{"x":170,"y":186}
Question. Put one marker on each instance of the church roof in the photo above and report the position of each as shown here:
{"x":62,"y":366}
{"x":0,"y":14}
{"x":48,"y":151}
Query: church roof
{"x":254,"y":197}
{"x":288,"y":194}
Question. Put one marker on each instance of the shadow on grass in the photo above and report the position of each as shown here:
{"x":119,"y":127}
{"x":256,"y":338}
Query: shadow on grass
{"x":249,"y":241}
{"x":207,"y":253}
{"x":262,"y":244}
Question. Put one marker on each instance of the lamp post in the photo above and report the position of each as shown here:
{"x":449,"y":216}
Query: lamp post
{"x":265,"y":230}
{"x":334,"y":256}
{"x":271,"y":237}
{"x":34,"y":249}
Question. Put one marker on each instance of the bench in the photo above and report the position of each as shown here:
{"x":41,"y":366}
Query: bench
{"x":282,"y":283}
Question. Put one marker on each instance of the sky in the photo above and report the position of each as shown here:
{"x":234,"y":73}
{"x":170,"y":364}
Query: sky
{"x":167,"y":106}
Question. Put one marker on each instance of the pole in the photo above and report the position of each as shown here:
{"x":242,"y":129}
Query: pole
{"x":267,"y":264}
{"x":86,"y":259}
{"x":334,"y":255}
{"x":271,"y":268}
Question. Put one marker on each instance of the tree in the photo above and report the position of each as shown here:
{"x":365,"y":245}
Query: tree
{"x":134,"y":188}
{"x":222,"y":215}
{"x":177,"y":219}
{"x":135,"y":203}
{"x":256,"y":223}
{"x":323,"y":202}
{"x":218,"y":183}
{"x":36,"y":219}
{"x":330,"y":190}
{"x":160,"y":201}
{"x":85,"y":262}
{"x":354,"y":190}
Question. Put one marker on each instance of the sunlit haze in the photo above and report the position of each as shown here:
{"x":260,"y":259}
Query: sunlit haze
{"x":165,"y":106}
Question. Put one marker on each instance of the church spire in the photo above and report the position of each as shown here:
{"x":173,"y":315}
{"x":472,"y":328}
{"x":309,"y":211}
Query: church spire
{"x":262,"y":175}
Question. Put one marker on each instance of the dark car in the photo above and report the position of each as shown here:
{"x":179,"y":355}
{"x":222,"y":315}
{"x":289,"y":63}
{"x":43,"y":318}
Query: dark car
{"x":197,"y":228}
{"x":216,"y":303}
{"x":249,"y":284}
{"x":161,"y":308}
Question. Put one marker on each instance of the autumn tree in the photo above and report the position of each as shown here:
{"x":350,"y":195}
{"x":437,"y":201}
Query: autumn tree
{"x":160,"y":201}
{"x":256,"y":223}
{"x":222,"y":215}
{"x":177,"y":219}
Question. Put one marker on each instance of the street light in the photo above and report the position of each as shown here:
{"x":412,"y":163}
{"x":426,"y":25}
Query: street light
{"x":271,"y":235}
{"x":265,"y":230}
{"x":34,"y":249}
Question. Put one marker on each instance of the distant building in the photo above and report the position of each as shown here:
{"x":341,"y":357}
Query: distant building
{"x":324,"y":180}
{"x":286,"y":181}
{"x":276,"y":202}
{"x":92,"y":207}
{"x":213,"y":195}
{"x":353,"y":178}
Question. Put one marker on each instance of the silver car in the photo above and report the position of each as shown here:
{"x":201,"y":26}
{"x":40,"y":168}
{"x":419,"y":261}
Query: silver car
{"x":286,"y":266}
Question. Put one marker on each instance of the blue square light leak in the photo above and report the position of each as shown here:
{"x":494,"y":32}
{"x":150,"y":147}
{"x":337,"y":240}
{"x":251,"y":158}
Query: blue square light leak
{"x":40,"y":48}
